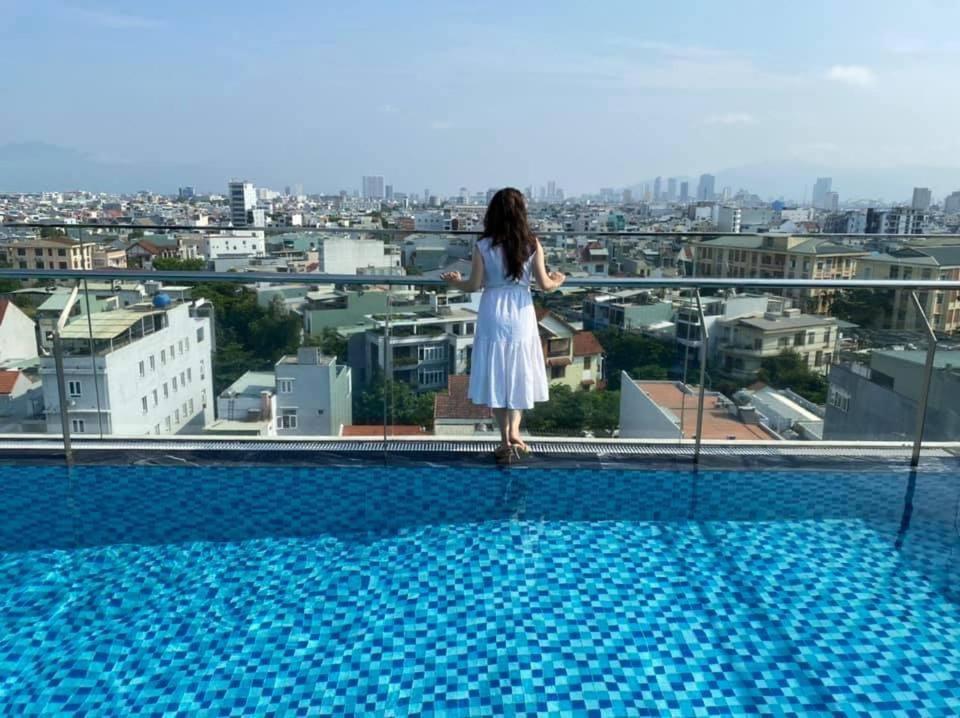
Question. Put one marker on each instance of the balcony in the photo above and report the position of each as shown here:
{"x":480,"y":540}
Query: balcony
{"x":222,"y":551}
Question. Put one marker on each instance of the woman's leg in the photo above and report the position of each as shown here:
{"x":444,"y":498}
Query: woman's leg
{"x":513,"y":417}
{"x":501,"y":416}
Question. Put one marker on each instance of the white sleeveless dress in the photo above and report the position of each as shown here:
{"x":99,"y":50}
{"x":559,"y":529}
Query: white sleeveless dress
{"x":506,"y":368}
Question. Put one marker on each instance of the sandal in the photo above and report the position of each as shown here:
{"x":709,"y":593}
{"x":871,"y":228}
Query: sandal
{"x":504,"y":453}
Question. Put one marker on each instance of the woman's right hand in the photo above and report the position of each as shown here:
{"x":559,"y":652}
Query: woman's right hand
{"x":558,"y":278}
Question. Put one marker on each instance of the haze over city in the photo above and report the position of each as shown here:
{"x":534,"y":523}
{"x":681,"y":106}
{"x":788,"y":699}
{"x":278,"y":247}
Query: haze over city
{"x":117,"y":97}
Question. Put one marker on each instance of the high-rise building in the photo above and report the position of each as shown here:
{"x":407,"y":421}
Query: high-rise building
{"x":951,"y":203}
{"x":185,"y":193}
{"x":627,"y":196}
{"x":684,"y":191}
{"x":705,"y":189}
{"x":657,"y":189}
{"x":298,"y":189}
{"x":243,"y":199}
{"x":831,"y":201}
{"x":672,"y":189}
{"x":388,"y":192}
{"x":820,"y":189}
{"x":551,"y":191}
{"x":373,"y":187}
{"x":921,"y":198}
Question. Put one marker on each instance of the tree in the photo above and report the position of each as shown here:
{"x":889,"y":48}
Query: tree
{"x":788,"y":370}
{"x":633,"y":353}
{"x":863,"y":307}
{"x":403,"y":405}
{"x":175,"y":264}
{"x":52,"y":232}
{"x":135,"y":234}
{"x":570,"y":412}
{"x":330,"y":342}
{"x":8,"y":285}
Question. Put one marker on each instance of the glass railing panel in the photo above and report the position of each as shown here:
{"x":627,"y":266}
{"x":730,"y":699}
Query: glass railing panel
{"x":942,"y":416}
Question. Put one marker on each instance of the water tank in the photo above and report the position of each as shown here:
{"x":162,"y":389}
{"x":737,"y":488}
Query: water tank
{"x":161,"y":301}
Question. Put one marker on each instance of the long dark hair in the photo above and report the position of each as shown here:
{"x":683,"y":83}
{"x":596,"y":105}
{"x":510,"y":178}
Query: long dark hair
{"x":505,"y":223}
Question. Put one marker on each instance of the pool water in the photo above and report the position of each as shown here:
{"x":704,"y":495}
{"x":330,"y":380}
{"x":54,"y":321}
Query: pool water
{"x":424,"y":590}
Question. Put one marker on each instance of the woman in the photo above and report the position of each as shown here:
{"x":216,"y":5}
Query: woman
{"x":507,"y":368}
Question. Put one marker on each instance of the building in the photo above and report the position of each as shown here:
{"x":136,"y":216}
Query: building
{"x":573,"y":358}
{"x":236,"y":245}
{"x":625,"y":310}
{"x":845,"y":223}
{"x":831,"y":202}
{"x":668,"y":410}
{"x":243,"y":199}
{"x":314,"y":394}
{"x":784,"y":412}
{"x":373,"y":187}
{"x":942,"y":307}
{"x":151,"y":372}
{"x":878,"y":401}
{"x":821,"y":188}
{"x":684,"y":192}
{"x":657,"y":185}
{"x":728,"y":219}
{"x":247,"y":407}
{"x":900,"y":220}
{"x":687,"y":330}
{"x":185,"y":193}
{"x":21,"y":403}
{"x":594,"y":259}
{"x":455,"y":415}
{"x":671,"y":189}
{"x":49,"y":253}
{"x":705,"y":188}
{"x":345,"y":255}
{"x":18,"y":334}
{"x":388,"y":192}
{"x":951,"y":203}
{"x":778,"y":256}
{"x":921,"y":199}
{"x":744,"y":342}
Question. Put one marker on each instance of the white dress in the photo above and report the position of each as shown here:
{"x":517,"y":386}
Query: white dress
{"x":507,"y":368}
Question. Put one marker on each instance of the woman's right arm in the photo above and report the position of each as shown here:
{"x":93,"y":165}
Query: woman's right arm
{"x":548,"y":281}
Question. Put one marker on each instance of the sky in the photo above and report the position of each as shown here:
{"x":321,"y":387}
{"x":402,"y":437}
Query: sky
{"x":441,"y":94}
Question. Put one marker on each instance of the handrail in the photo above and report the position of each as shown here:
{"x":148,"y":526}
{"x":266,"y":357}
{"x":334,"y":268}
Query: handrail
{"x":921,"y":419}
{"x":420,"y":281}
{"x":276,"y":229}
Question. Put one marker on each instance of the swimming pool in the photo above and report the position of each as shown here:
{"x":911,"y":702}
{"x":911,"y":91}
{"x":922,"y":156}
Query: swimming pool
{"x":425,"y":590}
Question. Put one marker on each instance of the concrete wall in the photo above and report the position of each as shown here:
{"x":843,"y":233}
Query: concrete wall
{"x":640,"y":417}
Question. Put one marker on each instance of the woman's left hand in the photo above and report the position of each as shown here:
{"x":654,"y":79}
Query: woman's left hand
{"x":451,"y":277}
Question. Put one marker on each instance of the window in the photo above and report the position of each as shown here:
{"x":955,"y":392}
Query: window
{"x":287,"y":419}
{"x":826,"y":336}
{"x":185,"y":414}
{"x":180,"y":347}
{"x":818,"y":359}
{"x":798,"y":339}
{"x":433,"y":353}
{"x":586,"y":362}
{"x":183,"y":378}
{"x":62,"y":265}
{"x":143,"y":404}
{"x":558,"y":372}
{"x":191,"y":407}
{"x":186,"y":344}
{"x":783,"y":342}
{"x":153,"y":363}
{"x":202,"y":375}
{"x":285,"y":386}
{"x":163,"y":357}
{"x":143,"y":369}
{"x":203,"y":398}
{"x":758,"y":344}
{"x":166,"y":423}
{"x":199,"y":335}
{"x":73,"y":388}
{"x":838,"y":399}
{"x":190,"y":375}
{"x":78,"y":426}
{"x":431,"y":377}
{"x":172,"y":353}
{"x":61,"y":253}
{"x":174,"y":383}
{"x":156,"y":398}
{"x":811,"y":337}
{"x":176,"y":416}
{"x":166,"y":391}
{"x":156,"y":428}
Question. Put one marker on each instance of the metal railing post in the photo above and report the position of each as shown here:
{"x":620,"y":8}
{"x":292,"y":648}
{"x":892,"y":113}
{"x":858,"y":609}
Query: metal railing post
{"x":703,"y":371}
{"x":61,"y":380}
{"x":925,"y":386}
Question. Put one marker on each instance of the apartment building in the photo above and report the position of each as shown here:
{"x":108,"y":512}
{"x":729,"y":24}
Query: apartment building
{"x":18,"y":334}
{"x":779,"y":256}
{"x":150,"y":372}
{"x":744,"y":342}
{"x":942,"y":307}
{"x":573,"y":358}
{"x":625,"y":310}
{"x":49,"y":253}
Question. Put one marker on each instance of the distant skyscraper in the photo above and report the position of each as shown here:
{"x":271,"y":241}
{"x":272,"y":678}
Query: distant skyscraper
{"x":627,"y":196}
{"x":490,"y":192}
{"x":185,"y":193}
{"x":951,"y":203}
{"x":921,"y":198}
{"x":831,"y":202}
{"x":286,"y":191}
{"x":243,"y":198}
{"x":373,"y":187}
{"x":529,"y":192}
{"x":820,"y":189}
{"x":426,"y":195}
{"x":672,"y":189}
{"x":656,"y":189}
{"x":298,"y":189}
{"x":705,"y":189}
{"x":684,"y":191}
{"x":551,"y":191}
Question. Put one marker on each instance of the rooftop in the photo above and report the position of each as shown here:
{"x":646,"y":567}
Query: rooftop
{"x":718,"y":423}
{"x":106,"y":325}
{"x":377,"y":430}
{"x":251,"y":384}
{"x":455,"y":404}
{"x":782,"y":322}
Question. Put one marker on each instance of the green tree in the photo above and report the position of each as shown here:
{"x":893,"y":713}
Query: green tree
{"x":788,"y":370}
{"x":230,"y":362}
{"x":8,"y":285}
{"x":626,"y":351}
{"x":330,"y":342}
{"x":135,"y":234}
{"x":175,"y":264}
{"x":52,"y":232}
{"x":863,"y":307}
{"x":403,"y":405}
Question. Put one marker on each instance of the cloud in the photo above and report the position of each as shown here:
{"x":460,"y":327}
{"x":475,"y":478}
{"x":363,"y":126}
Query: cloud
{"x":856,"y":75}
{"x":113,"y":20}
{"x":732,"y":118}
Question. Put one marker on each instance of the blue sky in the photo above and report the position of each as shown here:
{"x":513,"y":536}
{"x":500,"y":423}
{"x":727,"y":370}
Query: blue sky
{"x":444,"y":94}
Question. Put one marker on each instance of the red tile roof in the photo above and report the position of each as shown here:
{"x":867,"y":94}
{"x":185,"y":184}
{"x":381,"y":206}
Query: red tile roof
{"x":455,"y":404}
{"x":586,"y":344}
{"x":7,"y":381}
{"x":376,"y":430}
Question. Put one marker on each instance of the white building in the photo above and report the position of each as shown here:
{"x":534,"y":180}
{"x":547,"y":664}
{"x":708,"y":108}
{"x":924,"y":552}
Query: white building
{"x":152,"y":373}
{"x":314,"y":395}
{"x":233,"y":245}
{"x":433,"y":221}
{"x":243,"y":198}
{"x":344,"y":255}
{"x":18,"y":333}
{"x":247,"y":407}
{"x":21,"y":403}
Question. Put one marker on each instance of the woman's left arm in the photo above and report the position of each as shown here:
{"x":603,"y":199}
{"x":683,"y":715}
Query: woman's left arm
{"x":474,"y":282}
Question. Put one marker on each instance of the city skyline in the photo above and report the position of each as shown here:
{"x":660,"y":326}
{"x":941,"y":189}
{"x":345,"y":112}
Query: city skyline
{"x":685,"y":97}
